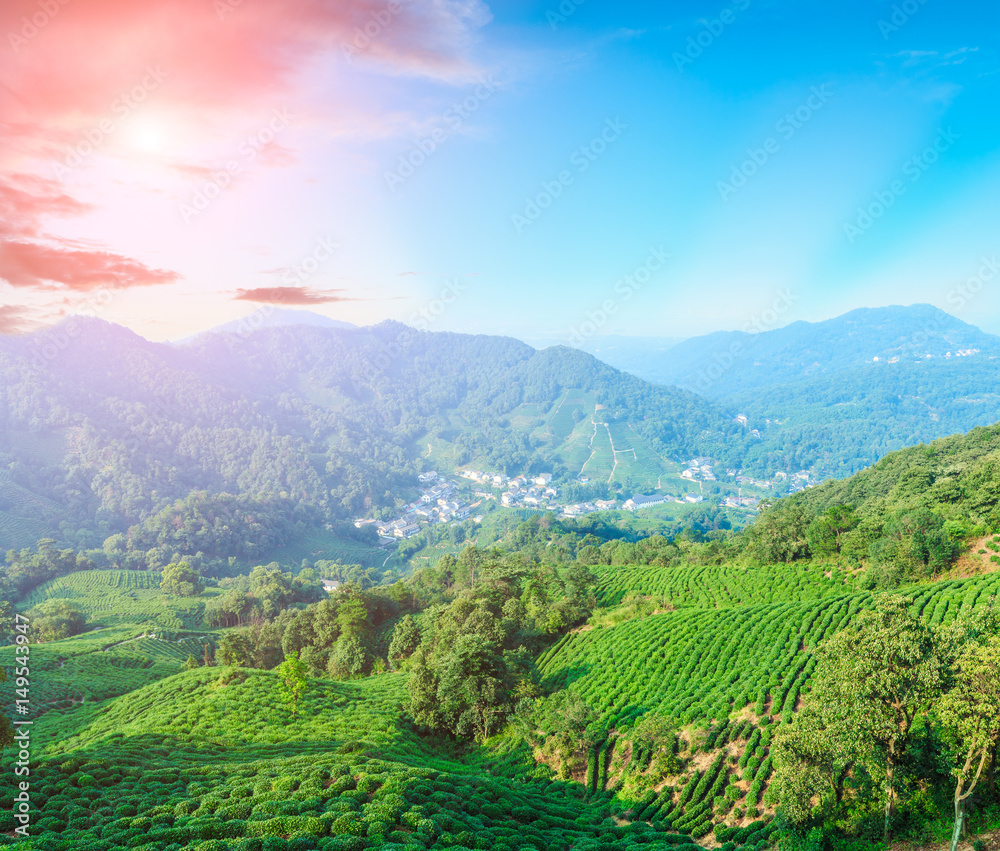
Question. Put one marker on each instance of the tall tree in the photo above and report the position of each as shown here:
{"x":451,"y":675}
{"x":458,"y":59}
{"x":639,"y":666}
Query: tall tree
{"x":971,"y":709}
{"x":293,"y":680}
{"x":873,"y":680}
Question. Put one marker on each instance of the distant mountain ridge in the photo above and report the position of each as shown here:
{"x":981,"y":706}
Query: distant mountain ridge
{"x":101,"y":430}
{"x":725,"y":362}
{"x":272,"y":317}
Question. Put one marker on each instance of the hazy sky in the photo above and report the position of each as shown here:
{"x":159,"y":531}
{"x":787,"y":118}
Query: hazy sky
{"x":543,"y":169}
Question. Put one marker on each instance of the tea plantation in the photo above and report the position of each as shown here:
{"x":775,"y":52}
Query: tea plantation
{"x":730,"y":675}
{"x":130,"y":750}
{"x":210,"y":760}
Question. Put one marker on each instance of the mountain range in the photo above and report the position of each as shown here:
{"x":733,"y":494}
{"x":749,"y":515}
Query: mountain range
{"x":102,"y":430}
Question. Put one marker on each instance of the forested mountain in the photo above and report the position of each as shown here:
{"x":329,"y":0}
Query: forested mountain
{"x":274,"y":317}
{"x":838,"y":395}
{"x":737,"y":693}
{"x":102,"y":431}
{"x":753,"y":361}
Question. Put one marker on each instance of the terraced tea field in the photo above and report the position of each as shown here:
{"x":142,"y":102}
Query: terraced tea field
{"x":722,"y":586}
{"x":116,"y":597}
{"x":732,"y":660}
{"x":209,"y":759}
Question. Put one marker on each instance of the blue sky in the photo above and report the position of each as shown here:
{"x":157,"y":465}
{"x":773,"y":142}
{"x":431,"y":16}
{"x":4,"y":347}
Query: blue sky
{"x":820,"y":156}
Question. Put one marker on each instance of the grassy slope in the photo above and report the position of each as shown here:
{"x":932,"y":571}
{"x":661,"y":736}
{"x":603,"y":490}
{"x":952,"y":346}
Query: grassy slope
{"x":208,"y":754}
{"x":734,"y":658}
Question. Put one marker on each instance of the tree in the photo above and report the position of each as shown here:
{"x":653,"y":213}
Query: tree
{"x":971,"y":710}
{"x":6,"y":728}
{"x":349,"y":658}
{"x":872,"y":681}
{"x":190,"y":663}
{"x":405,"y":639}
{"x":807,"y":765}
{"x":54,"y":620}
{"x":422,"y":687}
{"x":352,"y":613}
{"x":779,"y":534}
{"x":235,"y":649}
{"x":293,"y":680}
{"x":657,"y":735}
{"x":825,"y":533}
{"x":181,"y":579}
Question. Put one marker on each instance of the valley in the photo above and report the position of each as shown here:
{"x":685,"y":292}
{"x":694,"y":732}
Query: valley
{"x":565,"y":614}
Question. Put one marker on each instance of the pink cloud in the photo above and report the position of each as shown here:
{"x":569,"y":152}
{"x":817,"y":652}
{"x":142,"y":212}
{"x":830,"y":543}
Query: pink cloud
{"x":25,"y":200}
{"x":31,"y":264}
{"x":14,"y":320}
{"x":290,"y":295}
{"x":211,"y":70}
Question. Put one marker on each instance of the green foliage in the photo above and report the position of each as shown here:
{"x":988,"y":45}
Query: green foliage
{"x":181,"y":579}
{"x":54,"y":620}
{"x":293,"y":681}
{"x":349,"y":658}
{"x":405,"y":639}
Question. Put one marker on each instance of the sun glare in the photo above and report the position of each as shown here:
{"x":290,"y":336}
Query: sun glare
{"x":149,"y":134}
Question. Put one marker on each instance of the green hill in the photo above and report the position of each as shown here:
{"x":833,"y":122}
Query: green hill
{"x":303,"y":426}
{"x":208,"y":760}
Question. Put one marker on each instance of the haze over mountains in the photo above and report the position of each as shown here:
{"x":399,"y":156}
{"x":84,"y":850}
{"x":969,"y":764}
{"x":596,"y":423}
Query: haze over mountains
{"x":103,"y":429}
{"x":732,"y":362}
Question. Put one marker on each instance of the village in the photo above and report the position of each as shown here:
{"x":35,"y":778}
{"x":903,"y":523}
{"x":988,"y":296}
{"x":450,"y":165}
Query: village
{"x":441,"y":500}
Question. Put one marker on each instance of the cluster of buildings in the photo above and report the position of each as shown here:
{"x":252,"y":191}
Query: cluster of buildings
{"x":961,"y":353}
{"x":699,"y":470}
{"x":580,"y":508}
{"x":741,"y":502}
{"x":642,"y":501}
{"x":518,"y":491}
{"x":439,"y":502}
{"x":795,"y":481}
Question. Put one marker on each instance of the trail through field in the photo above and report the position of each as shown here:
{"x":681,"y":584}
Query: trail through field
{"x":592,"y":450}
{"x":614,"y":452}
{"x":428,"y":455}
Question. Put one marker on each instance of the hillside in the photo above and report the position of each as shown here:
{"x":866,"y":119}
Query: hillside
{"x":101,"y":430}
{"x":624,"y":705}
{"x":838,"y":395}
{"x":768,"y":358}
